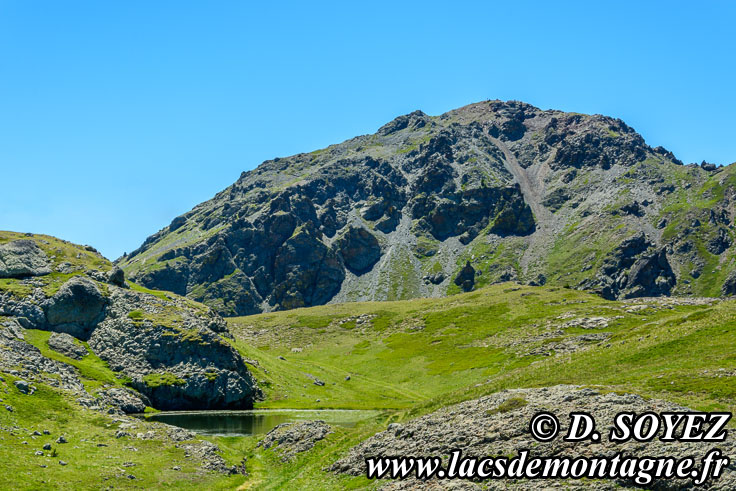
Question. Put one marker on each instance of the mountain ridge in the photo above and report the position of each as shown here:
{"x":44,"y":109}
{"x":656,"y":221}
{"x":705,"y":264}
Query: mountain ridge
{"x":510,"y":191}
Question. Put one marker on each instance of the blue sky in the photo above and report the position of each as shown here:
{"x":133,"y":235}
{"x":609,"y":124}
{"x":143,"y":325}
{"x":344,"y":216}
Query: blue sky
{"x":117,"y":116}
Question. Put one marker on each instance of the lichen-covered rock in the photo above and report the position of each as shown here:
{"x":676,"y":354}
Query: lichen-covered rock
{"x":289,"y":439}
{"x":64,"y":343}
{"x":21,"y":258}
{"x":126,"y":400}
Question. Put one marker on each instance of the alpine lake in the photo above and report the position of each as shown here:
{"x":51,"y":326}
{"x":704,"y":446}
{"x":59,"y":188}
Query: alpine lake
{"x":256,"y":421}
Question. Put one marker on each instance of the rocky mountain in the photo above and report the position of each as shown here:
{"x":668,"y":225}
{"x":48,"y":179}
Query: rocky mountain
{"x":163,"y":350}
{"x":432,"y":205}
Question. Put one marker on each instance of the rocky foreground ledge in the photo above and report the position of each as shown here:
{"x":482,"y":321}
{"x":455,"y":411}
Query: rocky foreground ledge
{"x":499,"y":425}
{"x":167,"y":351}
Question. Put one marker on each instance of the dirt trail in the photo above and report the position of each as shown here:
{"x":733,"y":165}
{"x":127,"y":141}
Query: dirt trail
{"x":532,"y":191}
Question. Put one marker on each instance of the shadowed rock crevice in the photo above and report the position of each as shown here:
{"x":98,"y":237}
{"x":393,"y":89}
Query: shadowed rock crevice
{"x":359,"y":249}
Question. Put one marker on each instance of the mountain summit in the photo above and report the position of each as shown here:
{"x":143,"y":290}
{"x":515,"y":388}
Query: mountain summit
{"x":431,"y":205}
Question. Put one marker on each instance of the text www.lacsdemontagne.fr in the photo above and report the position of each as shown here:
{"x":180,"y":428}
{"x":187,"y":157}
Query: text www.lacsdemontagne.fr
{"x":642,"y":470}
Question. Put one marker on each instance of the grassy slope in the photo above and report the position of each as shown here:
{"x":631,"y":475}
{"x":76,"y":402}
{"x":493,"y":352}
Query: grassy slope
{"x":93,"y":455}
{"x":417,"y":350}
{"x":410,"y":358}
{"x":462,"y":352}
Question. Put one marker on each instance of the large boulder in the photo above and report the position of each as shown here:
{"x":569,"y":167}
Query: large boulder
{"x":76,"y":308}
{"x":359,"y":248}
{"x":116,"y":277}
{"x":126,"y":400}
{"x":63,"y":343}
{"x":21,"y":258}
{"x":289,"y":439}
{"x":465,"y":279}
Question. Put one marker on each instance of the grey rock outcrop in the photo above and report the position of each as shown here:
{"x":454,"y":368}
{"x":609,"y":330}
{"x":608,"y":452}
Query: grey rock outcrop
{"x":64,"y":343}
{"x":729,"y":285}
{"x":174,"y":355}
{"x":21,"y":258}
{"x":170,"y":349}
{"x":207,"y":455}
{"x":29,"y":363}
{"x":499,"y":425}
{"x":650,"y":276}
{"x":27,"y":311}
{"x":289,"y":439}
{"x":634,"y":269}
{"x":176,"y":360}
{"x":126,"y":400}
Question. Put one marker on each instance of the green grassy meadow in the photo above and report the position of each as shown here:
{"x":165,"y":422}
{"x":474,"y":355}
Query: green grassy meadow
{"x":405,"y":358}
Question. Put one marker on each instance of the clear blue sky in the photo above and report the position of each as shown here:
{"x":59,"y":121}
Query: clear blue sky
{"x":117,"y":116}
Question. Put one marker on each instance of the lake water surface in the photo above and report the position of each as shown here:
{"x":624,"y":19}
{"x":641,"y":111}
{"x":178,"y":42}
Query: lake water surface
{"x":255,"y":422}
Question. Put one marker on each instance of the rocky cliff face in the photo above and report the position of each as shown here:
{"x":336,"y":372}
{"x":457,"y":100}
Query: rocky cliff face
{"x":171,"y":350}
{"x":519,"y":193}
